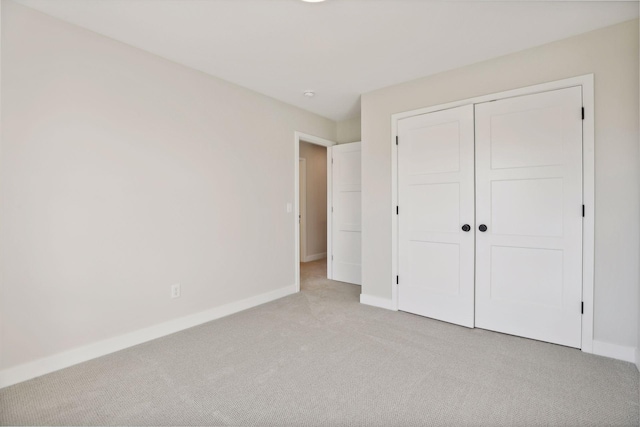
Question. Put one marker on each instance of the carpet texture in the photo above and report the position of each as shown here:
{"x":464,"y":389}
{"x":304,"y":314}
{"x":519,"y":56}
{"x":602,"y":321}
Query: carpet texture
{"x":320,"y":358}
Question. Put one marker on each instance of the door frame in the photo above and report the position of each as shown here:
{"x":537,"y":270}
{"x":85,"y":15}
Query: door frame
{"x":297,"y":137}
{"x":302,"y":179}
{"x":588,"y":185}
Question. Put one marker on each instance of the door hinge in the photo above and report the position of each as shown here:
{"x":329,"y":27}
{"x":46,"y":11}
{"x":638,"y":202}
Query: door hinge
{"x":332,"y":160}
{"x":331,"y":209}
{"x":397,"y":210}
{"x":396,"y":139}
{"x":331,"y":257}
{"x":582,"y":211}
{"x":582,"y":308}
{"x":582,"y":113}
{"x":397,"y":280}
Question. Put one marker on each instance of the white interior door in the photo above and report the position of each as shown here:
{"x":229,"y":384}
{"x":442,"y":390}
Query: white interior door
{"x":346,"y":204}
{"x":436,"y":201}
{"x":529,"y":197}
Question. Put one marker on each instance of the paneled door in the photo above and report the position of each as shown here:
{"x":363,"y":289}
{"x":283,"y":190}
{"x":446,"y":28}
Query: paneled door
{"x":529,"y":216}
{"x":346,"y":213}
{"x":436,"y":215}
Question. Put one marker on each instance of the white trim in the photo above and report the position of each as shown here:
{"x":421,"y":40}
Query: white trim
{"x":82,"y":354}
{"x":315,"y":257}
{"x":297,"y":137}
{"x":385,"y":303}
{"x":588,"y":222}
{"x":614,"y":351}
{"x":329,"y":213}
{"x":2,"y":295}
{"x":313,"y":139}
{"x":394,"y":212}
{"x":588,"y":140}
{"x":302,"y":176}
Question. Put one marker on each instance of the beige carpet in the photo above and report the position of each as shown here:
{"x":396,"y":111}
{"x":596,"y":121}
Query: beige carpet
{"x":321,"y":358}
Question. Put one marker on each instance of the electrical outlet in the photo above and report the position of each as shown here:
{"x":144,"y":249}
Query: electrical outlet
{"x":175,"y":290}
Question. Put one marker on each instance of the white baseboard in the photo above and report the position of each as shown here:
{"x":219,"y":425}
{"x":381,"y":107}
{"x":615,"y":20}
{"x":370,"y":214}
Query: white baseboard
{"x":615,"y":351}
{"x":59,"y":361}
{"x":376,"y":301}
{"x":315,"y":257}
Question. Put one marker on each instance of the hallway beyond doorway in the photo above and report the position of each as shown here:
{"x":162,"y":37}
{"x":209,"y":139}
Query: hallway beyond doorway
{"x":313,"y":277}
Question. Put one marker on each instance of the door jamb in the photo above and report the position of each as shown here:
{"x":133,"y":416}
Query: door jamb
{"x":302,"y":177}
{"x":297,"y":137}
{"x":588,"y":187}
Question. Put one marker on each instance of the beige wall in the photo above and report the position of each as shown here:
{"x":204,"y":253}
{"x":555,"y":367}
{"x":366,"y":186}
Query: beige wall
{"x":349,"y":131}
{"x":612,"y":55}
{"x":123,"y":173}
{"x":316,"y":221}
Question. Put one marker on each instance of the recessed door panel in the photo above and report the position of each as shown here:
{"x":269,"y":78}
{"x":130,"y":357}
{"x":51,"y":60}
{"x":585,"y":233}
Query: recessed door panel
{"x":349,"y":214}
{"x":527,"y":207}
{"x":423,"y":217}
{"x":539,"y":272}
{"x":349,"y":253}
{"x":435,"y":194}
{"x":349,"y":168}
{"x":441,"y":274}
{"x":434,"y":149}
{"x":527,"y":138}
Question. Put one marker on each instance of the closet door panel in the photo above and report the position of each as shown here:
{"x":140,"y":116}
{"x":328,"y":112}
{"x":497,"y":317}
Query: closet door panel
{"x":435,"y":195}
{"x":529,"y":196}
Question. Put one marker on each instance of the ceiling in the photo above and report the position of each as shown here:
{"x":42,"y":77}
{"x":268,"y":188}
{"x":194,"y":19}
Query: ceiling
{"x":339,"y":48}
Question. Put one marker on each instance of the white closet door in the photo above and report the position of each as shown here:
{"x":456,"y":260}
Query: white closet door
{"x":529,"y":197}
{"x":346,"y":237}
{"x":436,"y":199}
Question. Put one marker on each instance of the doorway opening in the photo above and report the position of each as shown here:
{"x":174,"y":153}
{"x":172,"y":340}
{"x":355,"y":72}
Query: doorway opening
{"x":312,"y":206}
{"x":328,"y":209}
{"x":312,"y":203}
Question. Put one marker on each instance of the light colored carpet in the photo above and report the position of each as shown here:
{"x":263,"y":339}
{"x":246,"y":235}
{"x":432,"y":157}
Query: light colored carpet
{"x":321,"y":358}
